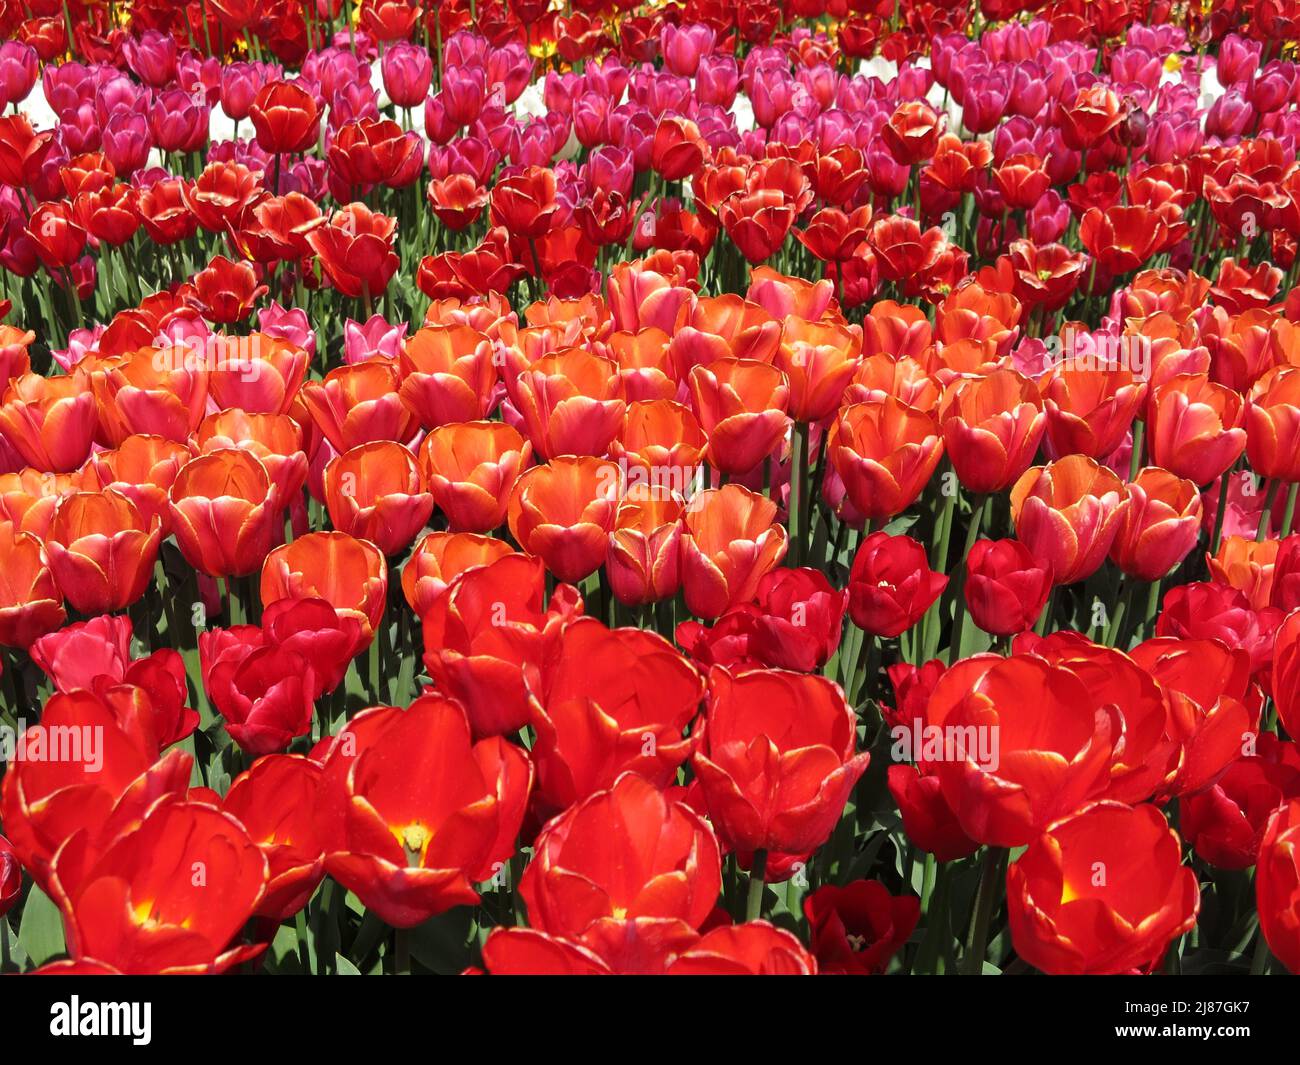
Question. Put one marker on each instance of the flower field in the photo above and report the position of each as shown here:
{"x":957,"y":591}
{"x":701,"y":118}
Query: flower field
{"x":596,"y":487}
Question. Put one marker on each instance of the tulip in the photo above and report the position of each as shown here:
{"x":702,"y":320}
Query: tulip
{"x":50,"y":421}
{"x":471,"y":469}
{"x":1277,"y":885}
{"x":928,"y":820}
{"x":348,"y":573}
{"x":447,"y":375}
{"x":285,"y":117}
{"x":1225,"y":822}
{"x":1054,"y":749}
{"x":885,"y":452}
{"x":799,"y":621}
{"x":741,"y":406}
{"x":31,"y":604}
{"x":1103,"y":891}
{"x":1213,"y":703}
{"x":858,"y":928}
{"x":1160,"y":525}
{"x":635,"y":853}
{"x":358,"y":404}
{"x":1206,"y":610}
{"x":570,"y":403}
{"x":155,"y":391}
{"x":259,"y":374}
{"x":11,"y":877}
{"x":264,"y":692}
{"x":891,"y":584}
{"x":563,"y":512}
{"x":731,"y":542}
{"x":413,"y":852}
{"x":89,"y":793}
{"x":145,"y":904}
{"x":73,"y":657}
{"x":1196,"y":427}
{"x":1089,"y":411}
{"x":1247,"y":565}
{"x":991,"y":428}
{"x":776,"y":759}
{"x":609,"y":701}
{"x":661,"y":444}
{"x":525,"y":202}
{"x":1067,"y":513}
{"x":274,"y":801}
{"x":355,"y":251}
{"x":439,"y":558}
{"x":275,"y":439}
{"x":375,"y":492}
{"x":326,"y":639}
{"x":1286,"y":672}
{"x":1006,"y":587}
{"x":1272,"y":425}
{"x":818,"y":360}
{"x":644,"y":560}
{"x":101,"y":551}
{"x":225,"y":513}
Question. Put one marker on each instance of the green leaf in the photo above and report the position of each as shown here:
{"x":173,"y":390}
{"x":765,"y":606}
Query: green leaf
{"x":41,"y":933}
{"x":345,"y":967}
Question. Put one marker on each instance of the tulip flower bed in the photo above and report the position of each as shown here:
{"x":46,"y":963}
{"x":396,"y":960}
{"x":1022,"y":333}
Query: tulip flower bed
{"x":633,"y":488}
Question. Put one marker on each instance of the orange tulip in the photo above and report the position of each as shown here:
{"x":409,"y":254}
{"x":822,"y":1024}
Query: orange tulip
{"x":644,"y":364}
{"x":276,"y":439}
{"x":885,"y":453}
{"x":471,"y":469}
{"x":142,"y":468}
{"x":660,"y":443}
{"x":905,"y":378}
{"x":14,"y":360}
{"x":1089,"y":411}
{"x":101,"y":550}
{"x":1272,"y":424}
{"x":991,"y":427}
{"x":723,"y":327}
{"x":357,"y":404}
{"x":348,"y":573}
{"x":448,"y":375}
{"x":259,"y":374}
{"x":1067,"y":513}
{"x":818,"y":359}
{"x":225,"y":513}
{"x":741,"y":405}
{"x":563,"y":512}
{"x":30,"y":602}
{"x":571,"y":403}
{"x":1195,"y":427}
{"x":640,"y":297}
{"x":441,"y":557}
{"x":50,"y":421}
{"x":158,"y":391}
{"x":28,"y":498}
{"x":375,"y":492}
{"x":731,"y":542}
{"x":644,"y":562}
{"x":1159,"y":526}
{"x":1246,"y":565}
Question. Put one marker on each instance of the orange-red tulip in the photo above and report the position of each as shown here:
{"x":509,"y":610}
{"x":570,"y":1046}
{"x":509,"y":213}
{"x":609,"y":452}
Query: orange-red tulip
{"x":348,"y":573}
{"x":375,"y":492}
{"x":439,"y":559}
{"x":1103,"y":891}
{"x":448,"y":375}
{"x":30,"y":602}
{"x":101,"y":551}
{"x":1195,"y":427}
{"x":1160,"y":525}
{"x":1067,"y":513}
{"x":354,"y":405}
{"x":1272,"y":424}
{"x":225,"y":513}
{"x":741,"y":405}
{"x":731,"y":542}
{"x":991,"y":427}
{"x":818,"y":360}
{"x":644,"y":563}
{"x":571,"y":403}
{"x":563,"y":512}
{"x":471,"y":469}
{"x":50,"y":421}
{"x":885,"y":453}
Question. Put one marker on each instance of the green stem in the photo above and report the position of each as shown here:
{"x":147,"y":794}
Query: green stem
{"x":1270,"y":495}
{"x":1135,"y":460}
{"x":1288,"y":515}
{"x":1219,"y":512}
{"x":980,"y":504}
{"x":1259,"y":960}
{"x":757,"y":873}
{"x":402,"y":951}
{"x":985,"y":903}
